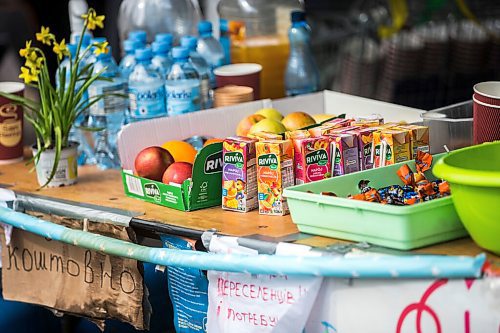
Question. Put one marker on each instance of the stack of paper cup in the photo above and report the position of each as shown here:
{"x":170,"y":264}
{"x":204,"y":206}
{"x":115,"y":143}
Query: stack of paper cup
{"x":230,"y":95}
{"x":486,"y":112}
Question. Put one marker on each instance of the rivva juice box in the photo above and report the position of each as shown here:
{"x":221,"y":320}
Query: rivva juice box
{"x":239,"y":175}
{"x":419,"y":136}
{"x":274,"y":173}
{"x":312,"y":158}
{"x":391,"y":146}
{"x":265,"y":136}
{"x":345,"y":154}
{"x":365,"y":145}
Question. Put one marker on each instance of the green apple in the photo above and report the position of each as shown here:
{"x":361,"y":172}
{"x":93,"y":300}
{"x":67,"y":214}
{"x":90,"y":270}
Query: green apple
{"x":268,"y":125}
{"x":270,"y":113}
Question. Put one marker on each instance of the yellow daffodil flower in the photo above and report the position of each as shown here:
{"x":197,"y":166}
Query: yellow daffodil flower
{"x":60,"y":49}
{"x":45,"y":36}
{"x":27,"y":75}
{"x":100,"y":48}
{"x":26,"y":51}
{"x":34,"y":63}
{"x":93,"y":20}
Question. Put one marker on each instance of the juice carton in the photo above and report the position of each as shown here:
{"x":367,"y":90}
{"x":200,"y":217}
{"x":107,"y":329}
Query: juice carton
{"x":312,"y":158}
{"x":338,"y":122}
{"x":345,"y":154}
{"x":297,"y":134}
{"x":371,"y":121}
{"x":274,"y":173}
{"x":365,"y":146}
{"x":391,"y":146}
{"x":265,"y":136}
{"x":419,"y":138}
{"x":320,"y":130}
{"x":239,"y":179}
{"x":342,"y":130}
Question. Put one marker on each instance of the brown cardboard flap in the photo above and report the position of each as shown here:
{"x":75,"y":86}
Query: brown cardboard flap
{"x":72,"y":279}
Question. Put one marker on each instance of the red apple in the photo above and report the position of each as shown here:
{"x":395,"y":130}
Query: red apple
{"x":246,"y":123}
{"x":152,"y":162}
{"x":177,"y":173}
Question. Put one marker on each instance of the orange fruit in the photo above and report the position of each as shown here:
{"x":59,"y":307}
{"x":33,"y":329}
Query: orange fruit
{"x":181,"y":151}
{"x":213,"y":140}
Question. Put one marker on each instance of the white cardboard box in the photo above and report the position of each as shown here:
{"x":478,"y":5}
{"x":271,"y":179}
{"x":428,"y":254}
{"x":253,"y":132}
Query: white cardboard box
{"x":222,"y":122}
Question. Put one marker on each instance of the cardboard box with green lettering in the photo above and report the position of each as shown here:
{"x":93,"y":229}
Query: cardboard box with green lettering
{"x":202,"y":191}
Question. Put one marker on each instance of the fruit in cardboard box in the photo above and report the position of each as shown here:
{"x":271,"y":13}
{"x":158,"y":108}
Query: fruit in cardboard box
{"x":177,"y":173}
{"x":246,"y":123}
{"x":297,"y":120}
{"x":151,"y":162}
{"x":268,"y":125}
{"x":180,"y":150}
{"x":270,"y":113}
{"x":321,"y":117}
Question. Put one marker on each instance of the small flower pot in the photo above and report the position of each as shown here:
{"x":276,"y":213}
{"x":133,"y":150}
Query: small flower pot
{"x":67,"y":170}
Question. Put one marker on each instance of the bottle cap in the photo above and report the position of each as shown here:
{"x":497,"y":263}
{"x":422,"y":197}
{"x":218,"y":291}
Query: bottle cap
{"x":164,"y":38}
{"x":143,"y":54}
{"x":223,"y":25}
{"x":298,"y":16}
{"x":180,"y":52}
{"x":204,"y":27}
{"x":189,"y":42}
{"x":130,"y":45}
{"x":85,"y":41}
{"x":139,"y":35}
{"x":161,"y":47}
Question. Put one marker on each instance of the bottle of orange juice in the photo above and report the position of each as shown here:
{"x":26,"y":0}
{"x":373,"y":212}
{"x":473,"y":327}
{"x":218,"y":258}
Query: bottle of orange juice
{"x":274,"y":173}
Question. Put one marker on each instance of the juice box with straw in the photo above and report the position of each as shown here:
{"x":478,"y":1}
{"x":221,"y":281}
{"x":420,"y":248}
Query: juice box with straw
{"x":274,"y":173}
{"x":239,"y":180}
{"x":312,"y":158}
{"x":365,"y":145}
{"x":391,"y":146}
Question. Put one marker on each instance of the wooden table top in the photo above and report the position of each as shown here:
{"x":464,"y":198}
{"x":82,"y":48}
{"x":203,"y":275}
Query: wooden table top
{"x":104,"y":188}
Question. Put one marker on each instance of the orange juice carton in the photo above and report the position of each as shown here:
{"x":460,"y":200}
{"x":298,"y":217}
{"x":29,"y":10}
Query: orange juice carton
{"x":419,"y":138}
{"x":274,"y":173}
{"x":265,"y":136}
{"x":365,"y":145}
{"x":342,"y":130}
{"x":297,"y":134}
{"x":345,"y":154}
{"x":320,"y":130}
{"x":391,"y":146}
{"x":338,"y":122}
{"x":312,"y":158}
{"x":239,"y":174}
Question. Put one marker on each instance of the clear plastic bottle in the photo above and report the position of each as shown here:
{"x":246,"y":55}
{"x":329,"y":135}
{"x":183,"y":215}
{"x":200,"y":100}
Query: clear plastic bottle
{"x":258,"y":31}
{"x":108,"y":114}
{"x":140,"y":36}
{"x":146,"y":89}
{"x":201,"y":66}
{"x":182,"y":85}
{"x":210,"y":49}
{"x":161,"y":60}
{"x":301,"y":75}
{"x":128,"y":61}
{"x":225,"y":40}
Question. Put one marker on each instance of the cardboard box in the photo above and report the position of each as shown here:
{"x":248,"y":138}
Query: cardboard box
{"x":222,"y":122}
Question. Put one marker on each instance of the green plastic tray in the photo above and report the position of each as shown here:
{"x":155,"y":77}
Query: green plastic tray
{"x":398,"y":227}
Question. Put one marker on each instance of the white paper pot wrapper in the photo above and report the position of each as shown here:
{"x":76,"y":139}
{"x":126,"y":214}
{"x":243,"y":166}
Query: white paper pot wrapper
{"x":67,"y":170}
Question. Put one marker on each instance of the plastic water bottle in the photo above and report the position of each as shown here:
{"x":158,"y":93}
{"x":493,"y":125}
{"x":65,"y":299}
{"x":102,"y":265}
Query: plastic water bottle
{"x":108,"y":114}
{"x":301,"y":75}
{"x":201,"y":66}
{"x":165,"y":37}
{"x":182,"y":85}
{"x":161,"y":60}
{"x":210,"y":49}
{"x":225,"y":41}
{"x":140,"y":36}
{"x":146,"y":89}
{"x":128,"y":61}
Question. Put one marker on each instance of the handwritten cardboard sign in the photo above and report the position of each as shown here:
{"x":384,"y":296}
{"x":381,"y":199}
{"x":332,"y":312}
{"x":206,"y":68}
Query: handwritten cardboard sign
{"x":72,"y":279}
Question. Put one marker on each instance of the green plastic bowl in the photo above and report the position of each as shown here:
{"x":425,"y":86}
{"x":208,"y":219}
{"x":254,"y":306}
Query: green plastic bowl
{"x":474,"y":177}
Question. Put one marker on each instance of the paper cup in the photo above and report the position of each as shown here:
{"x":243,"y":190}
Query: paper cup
{"x":488,"y":92}
{"x":11,"y":124}
{"x":245,"y":74}
{"x":486,"y":125}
